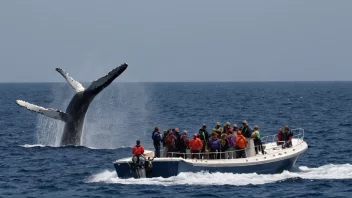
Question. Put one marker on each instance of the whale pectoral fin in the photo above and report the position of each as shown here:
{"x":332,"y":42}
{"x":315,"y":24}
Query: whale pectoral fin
{"x":76,"y":85}
{"x":106,"y":80}
{"x":52,"y":113}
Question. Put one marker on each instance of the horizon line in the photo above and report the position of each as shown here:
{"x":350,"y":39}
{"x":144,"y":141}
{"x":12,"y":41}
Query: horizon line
{"x":290,"y":81}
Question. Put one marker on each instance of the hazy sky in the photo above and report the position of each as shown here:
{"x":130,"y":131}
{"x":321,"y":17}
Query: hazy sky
{"x":183,"y":40}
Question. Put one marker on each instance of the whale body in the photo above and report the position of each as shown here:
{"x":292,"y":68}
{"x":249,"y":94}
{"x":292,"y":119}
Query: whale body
{"x":78,"y":107}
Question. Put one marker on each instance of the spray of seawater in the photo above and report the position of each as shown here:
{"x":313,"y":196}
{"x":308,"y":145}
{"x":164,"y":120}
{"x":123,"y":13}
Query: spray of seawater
{"x":49,"y":130}
{"x":120,"y":108}
{"x":329,"y":172}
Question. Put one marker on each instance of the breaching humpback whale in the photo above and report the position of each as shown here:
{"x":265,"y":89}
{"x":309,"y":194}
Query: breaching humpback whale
{"x":77,"y":109}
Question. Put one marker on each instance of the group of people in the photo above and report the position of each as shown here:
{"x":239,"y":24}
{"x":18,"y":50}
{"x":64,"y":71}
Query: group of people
{"x":221,"y":143}
{"x":284,"y":137}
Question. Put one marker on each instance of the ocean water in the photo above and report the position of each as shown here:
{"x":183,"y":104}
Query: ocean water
{"x":33,"y":165}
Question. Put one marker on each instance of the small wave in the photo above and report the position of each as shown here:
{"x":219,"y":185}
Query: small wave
{"x":73,"y":146}
{"x":94,"y":148}
{"x":330,"y":171}
{"x":33,"y":145}
{"x":102,"y":177}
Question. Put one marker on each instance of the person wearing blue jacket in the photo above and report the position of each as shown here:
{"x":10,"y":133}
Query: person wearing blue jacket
{"x":156,"y":141}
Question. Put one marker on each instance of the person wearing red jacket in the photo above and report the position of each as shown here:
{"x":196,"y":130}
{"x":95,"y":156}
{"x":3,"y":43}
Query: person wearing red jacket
{"x":138,"y":154}
{"x":196,"y":146}
{"x":280,"y":137}
{"x":138,"y":150}
{"x":241,"y":145}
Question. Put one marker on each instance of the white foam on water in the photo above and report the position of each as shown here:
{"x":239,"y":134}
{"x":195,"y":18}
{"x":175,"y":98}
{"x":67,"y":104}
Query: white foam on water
{"x":331,"y":171}
{"x":105,"y":176}
{"x":41,"y":145}
{"x":32,"y":145}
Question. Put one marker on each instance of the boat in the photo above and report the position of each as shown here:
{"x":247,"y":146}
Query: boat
{"x":276,"y":159}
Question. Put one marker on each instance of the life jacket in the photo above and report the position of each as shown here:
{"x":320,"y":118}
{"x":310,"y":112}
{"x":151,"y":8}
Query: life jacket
{"x":241,"y":142}
{"x":137,"y":150}
{"x":196,"y":144}
{"x":214,"y":143}
{"x":231,"y":140}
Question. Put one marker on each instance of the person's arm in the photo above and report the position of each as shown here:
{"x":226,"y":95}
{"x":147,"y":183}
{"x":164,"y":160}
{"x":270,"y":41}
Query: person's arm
{"x":153,"y":135}
{"x":159,"y":138}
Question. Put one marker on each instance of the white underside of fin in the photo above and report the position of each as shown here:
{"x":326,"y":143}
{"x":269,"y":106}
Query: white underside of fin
{"x":52,"y":113}
{"x":76,"y":85}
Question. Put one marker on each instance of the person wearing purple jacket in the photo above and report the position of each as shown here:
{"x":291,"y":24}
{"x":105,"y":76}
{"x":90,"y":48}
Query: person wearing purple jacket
{"x":215,"y":146}
{"x":231,"y":140}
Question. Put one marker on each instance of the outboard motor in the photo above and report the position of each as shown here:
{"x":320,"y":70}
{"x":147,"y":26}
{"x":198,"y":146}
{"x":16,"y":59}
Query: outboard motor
{"x":141,"y":167}
{"x":137,"y":167}
{"x":148,"y":166}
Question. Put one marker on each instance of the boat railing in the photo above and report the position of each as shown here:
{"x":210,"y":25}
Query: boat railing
{"x":208,"y":155}
{"x":298,"y":134}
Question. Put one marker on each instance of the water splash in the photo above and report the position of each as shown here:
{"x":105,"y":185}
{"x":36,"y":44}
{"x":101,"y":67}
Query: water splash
{"x":331,"y":171}
{"x":49,"y":130}
{"x":116,"y":111}
{"x":114,"y":116}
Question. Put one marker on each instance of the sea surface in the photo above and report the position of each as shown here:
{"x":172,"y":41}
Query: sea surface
{"x":32,"y":164}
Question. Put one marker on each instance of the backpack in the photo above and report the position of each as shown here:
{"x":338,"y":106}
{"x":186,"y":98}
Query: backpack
{"x":231,"y":141}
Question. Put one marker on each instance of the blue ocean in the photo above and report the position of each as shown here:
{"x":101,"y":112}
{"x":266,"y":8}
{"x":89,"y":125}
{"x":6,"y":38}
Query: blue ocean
{"x":34,"y":165}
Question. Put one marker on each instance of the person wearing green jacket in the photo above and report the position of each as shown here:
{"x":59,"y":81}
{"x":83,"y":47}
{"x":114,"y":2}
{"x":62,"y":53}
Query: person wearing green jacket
{"x":257,"y":141}
{"x":218,"y":129}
